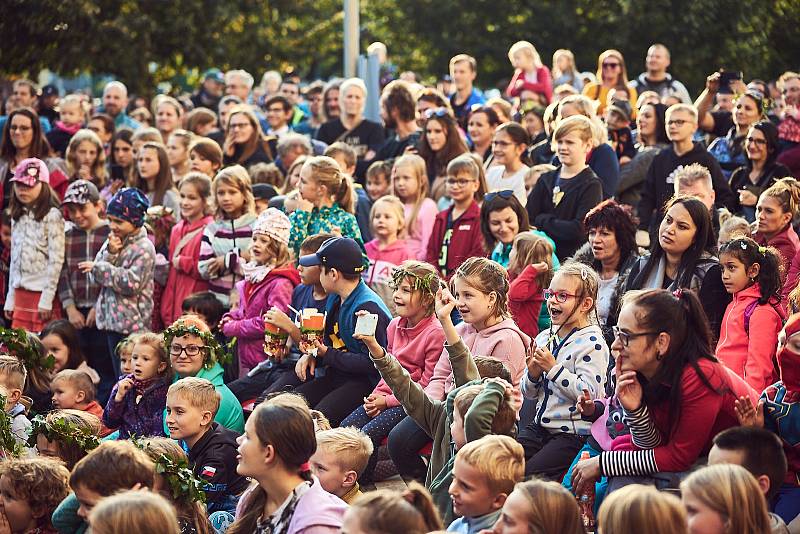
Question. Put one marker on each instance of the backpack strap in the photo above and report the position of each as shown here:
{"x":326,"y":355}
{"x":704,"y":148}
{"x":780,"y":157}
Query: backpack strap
{"x":748,"y":312}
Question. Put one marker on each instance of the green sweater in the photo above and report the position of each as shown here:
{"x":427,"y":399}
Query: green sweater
{"x":435,"y":417}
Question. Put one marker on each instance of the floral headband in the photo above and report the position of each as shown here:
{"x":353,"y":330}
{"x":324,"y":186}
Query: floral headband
{"x":62,"y":431}
{"x":215,"y":353}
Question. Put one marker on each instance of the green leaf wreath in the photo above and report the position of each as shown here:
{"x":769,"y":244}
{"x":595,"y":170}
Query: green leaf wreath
{"x":214,"y":352}
{"x":183,"y":483}
{"x":16,"y":342}
{"x":8,"y":441}
{"x":427,"y":284}
{"x":62,"y":431}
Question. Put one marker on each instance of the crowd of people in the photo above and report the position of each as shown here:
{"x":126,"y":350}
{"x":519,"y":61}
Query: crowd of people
{"x":569,"y":308}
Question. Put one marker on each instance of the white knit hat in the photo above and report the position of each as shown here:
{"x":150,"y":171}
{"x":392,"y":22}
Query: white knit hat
{"x":274,"y":223}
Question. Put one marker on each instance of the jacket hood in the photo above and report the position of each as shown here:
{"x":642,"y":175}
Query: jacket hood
{"x":213,"y":375}
{"x":399,"y":244}
{"x":186,"y":226}
{"x":506,"y":324}
{"x":289,"y":272}
{"x":317,"y":507}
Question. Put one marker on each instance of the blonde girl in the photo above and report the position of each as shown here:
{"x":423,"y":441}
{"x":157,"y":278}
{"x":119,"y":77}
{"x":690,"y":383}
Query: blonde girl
{"x":184,"y":245}
{"x":134,"y":512}
{"x":172,"y":464}
{"x":154,"y":177}
{"x":178,"y":153}
{"x":169,"y":114}
{"x":326,"y":204}
{"x":635,"y":508}
{"x":37,"y":248}
{"x":293,"y":175}
{"x":567,"y":359}
{"x":86,"y":158}
{"x":530,"y":74}
{"x":137,"y":401}
{"x":226,"y":241}
{"x":724,"y":499}
{"x":269,"y":280}
{"x":387,"y":250}
{"x":410,"y":185}
{"x":564,"y":70}
{"x":205,"y":156}
{"x":68,"y":435}
{"x":530,"y":269}
{"x":456,"y":233}
{"x":539,"y":506}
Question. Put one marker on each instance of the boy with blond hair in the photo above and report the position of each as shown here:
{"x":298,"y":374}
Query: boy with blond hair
{"x":484,"y":474}
{"x":341,"y":457}
{"x":12,"y":383}
{"x":74,"y":389}
{"x":192,"y":404}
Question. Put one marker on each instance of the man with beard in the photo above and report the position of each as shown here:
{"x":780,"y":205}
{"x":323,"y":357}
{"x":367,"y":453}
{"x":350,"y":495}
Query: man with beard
{"x":398,"y":112}
{"x":115,"y":100}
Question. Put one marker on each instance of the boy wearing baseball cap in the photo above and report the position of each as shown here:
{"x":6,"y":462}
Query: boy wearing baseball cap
{"x":124,"y":271}
{"x":85,"y":235}
{"x":347,"y":372}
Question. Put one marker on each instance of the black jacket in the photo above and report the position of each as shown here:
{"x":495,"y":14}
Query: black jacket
{"x":564,"y":222}
{"x":213,"y":460}
{"x":659,"y":185}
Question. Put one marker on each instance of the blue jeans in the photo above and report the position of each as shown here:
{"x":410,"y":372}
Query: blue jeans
{"x":600,"y":486}
{"x":376,"y":428}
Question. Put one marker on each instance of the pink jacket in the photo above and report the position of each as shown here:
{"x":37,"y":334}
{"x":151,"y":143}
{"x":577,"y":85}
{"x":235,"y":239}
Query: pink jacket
{"x":184,"y":278}
{"x":751,"y":357}
{"x":417,"y":349}
{"x":417,"y":239}
{"x":543,"y":85}
{"x":381,"y":262}
{"x":246,"y":322}
{"x":504,"y":341}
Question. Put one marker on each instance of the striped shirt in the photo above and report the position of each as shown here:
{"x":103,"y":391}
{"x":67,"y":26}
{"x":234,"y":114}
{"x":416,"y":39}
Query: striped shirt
{"x":225,"y":238}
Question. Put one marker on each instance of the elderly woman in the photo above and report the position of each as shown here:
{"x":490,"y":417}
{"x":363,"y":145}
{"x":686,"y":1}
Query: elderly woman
{"x":611,"y":252}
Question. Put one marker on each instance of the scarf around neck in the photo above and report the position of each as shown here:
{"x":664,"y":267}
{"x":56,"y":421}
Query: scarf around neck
{"x":254,"y":272}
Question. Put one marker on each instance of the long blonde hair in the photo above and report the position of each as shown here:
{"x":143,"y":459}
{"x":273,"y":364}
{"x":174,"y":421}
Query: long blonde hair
{"x":732,"y":492}
{"x":98,"y":170}
{"x":636,"y":508}
{"x":237,"y":177}
{"x":417,"y":165}
{"x":325,"y":171}
{"x":530,"y":248}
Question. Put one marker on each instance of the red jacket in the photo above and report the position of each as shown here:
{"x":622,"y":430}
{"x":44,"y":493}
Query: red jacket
{"x":525,"y":301}
{"x":543,"y":85}
{"x":704,"y":413}
{"x":184,"y":278}
{"x":751,"y":356}
{"x":787,"y":243}
{"x":466,"y":240}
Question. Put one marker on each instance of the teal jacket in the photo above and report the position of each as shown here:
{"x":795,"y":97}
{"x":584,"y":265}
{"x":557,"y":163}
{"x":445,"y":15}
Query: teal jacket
{"x":230,"y":413}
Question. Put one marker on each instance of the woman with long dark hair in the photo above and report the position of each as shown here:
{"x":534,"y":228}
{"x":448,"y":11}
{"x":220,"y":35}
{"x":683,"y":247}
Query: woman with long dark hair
{"x":761,"y":168}
{"x":245,"y":142}
{"x":683,"y":257}
{"x":729,"y":150}
{"x":440,"y":143}
{"x":502,"y":218}
{"x":676,"y":396}
{"x":651,"y":137}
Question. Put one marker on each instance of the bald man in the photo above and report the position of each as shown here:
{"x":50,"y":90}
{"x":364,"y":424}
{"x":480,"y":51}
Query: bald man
{"x":115,"y":100}
{"x":657,"y":79}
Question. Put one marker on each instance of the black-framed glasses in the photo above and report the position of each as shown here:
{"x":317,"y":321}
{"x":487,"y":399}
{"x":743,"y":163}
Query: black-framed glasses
{"x":677,"y":122}
{"x":190,"y":350}
{"x":560,"y":296}
{"x":625,"y":337}
{"x":460,"y":182}
{"x":505,"y":193}
{"x":759,"y":142}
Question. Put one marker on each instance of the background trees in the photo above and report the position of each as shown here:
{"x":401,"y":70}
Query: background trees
{"x":150,"y":41}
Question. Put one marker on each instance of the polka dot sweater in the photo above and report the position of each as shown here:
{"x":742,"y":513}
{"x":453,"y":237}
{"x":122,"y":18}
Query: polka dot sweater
{"x":581,"y":363}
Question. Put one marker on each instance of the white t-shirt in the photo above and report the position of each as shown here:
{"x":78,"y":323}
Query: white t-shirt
{"x":605,"y":292}
{"x":515,"y":182}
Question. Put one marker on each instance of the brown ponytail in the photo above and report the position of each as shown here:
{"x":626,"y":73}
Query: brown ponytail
{"x":325,"y":171}
{"x":390,"y":512}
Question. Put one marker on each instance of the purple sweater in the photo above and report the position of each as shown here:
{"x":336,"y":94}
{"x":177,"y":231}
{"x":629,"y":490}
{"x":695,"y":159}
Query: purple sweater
{"x":247,"y":323}
{"x":145,"y":418}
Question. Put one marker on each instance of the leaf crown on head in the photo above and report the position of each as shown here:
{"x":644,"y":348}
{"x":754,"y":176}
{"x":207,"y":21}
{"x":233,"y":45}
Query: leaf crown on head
{"x":8,"y":441}
{"x":17,"y":343}
{"x":427,"y":283}
{"x":214,"y":352}
{"x":183,"y":483}
{"x":62,"y":431}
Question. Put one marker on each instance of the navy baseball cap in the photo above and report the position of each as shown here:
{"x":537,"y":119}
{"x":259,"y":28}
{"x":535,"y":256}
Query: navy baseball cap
{"x":340,"y":253}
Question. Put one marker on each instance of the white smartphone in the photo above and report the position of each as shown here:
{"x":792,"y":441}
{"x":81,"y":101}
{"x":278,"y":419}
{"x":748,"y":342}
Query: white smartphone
{"x":367,"y":324}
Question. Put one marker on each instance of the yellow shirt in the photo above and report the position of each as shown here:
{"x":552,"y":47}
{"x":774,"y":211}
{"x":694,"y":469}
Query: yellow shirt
{"x":597,"y":91}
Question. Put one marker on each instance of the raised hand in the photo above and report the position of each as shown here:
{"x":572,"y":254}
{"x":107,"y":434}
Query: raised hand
{"x":747,"y":414}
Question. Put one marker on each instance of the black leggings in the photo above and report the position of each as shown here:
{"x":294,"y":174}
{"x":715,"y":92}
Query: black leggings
{"x":405,"y":441}
{"x":278,"y":378}
{"x":548,"y":455}
{"x":336,"y":395}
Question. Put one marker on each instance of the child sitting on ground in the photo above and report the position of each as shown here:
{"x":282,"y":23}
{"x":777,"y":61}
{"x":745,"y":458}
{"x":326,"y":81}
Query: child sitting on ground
{"x":192,"y":404}
{"x":68,"y":435}
{"x":32,"y":488}
{"x":137,"y":401}
{"x":342,"y":455}
{"x":484,"y":474}
{"x":112,"y":467}
{"x":74,"y":389}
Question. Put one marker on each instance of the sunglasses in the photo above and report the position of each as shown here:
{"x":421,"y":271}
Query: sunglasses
{"x":611,"y":65}
{"x":506,"y":194}
{"x":436,"y":112}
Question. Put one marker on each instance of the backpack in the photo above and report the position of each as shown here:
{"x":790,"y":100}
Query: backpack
{"x":748,"y":313}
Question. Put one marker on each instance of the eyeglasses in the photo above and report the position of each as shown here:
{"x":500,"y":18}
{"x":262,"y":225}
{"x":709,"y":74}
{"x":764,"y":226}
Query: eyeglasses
{"x":502,"y":143}
{"x":625,"y":337}
{"x":190,"y":350}
{"x":506,"y":194}
{"x":676,"y":122}
{"x":436,"y":112}
{"x":560,"y":296}
{"x":611,"y":65}
{"x":238,"y":125}
{"x":759,"y":142}
{"x":459,"y":182}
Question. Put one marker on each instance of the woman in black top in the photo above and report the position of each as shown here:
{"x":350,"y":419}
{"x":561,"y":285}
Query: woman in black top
{"x":761,"y":169}
{"x":245,"y":143}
